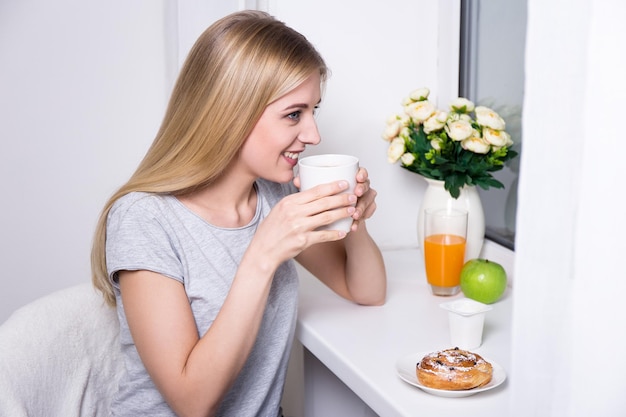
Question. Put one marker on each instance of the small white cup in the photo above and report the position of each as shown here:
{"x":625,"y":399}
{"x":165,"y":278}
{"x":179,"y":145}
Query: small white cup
{"x":322,"y":169}
{"x":466,"y":319}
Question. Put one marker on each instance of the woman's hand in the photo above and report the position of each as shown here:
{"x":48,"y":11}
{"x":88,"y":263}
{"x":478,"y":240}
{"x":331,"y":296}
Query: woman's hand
{"x":292,"y":225}
{"x":353,"y":267}
{"x":366,"y":199}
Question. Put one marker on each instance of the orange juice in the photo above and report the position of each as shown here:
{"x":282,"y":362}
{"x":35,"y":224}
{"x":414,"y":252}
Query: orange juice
{"x":444,"y":256}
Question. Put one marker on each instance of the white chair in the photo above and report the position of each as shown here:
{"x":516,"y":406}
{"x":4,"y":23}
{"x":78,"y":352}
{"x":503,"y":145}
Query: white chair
{"x":60,"y":356}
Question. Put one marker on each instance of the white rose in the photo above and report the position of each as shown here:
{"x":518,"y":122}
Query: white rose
{"x":420,"y":110}
{"x":404,"y":119}
{"x":436,"y":144}
{"x":405,"y":133}
{"x":435,"y":122}
{"x":420,"y":94}
{"x":407,"y":159}
{"x":392,"y":118}
{"x":459,"y":130}
{"x":509,"y":141}
{"x":392,"y":129}
{"x":507,"y":144}
{"x":462,"y":105}
{"x":489,"y":118}
{"x":406,"y":101}
{"x":497,"y":137}
{"x":454,"y":116}
{"x":395,"y":151}
{"x":476,"y":144}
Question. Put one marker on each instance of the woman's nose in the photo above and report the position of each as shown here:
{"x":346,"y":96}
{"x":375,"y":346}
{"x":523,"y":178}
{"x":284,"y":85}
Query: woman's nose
{"x":310,"y":133}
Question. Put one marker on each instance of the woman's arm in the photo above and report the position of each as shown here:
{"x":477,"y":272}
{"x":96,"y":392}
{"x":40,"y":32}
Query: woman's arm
{"x":352,"y":267}
{"x":194,"y":373}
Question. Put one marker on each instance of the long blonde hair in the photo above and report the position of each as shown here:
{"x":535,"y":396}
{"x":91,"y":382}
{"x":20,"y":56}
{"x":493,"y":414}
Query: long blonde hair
{"x":238,"y":66}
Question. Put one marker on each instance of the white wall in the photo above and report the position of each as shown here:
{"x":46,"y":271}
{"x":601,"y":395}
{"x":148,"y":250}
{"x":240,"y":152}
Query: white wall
{"x":84,"y":87}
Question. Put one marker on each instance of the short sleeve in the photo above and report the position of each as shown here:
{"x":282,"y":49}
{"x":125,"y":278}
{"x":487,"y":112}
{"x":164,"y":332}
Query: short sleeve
{"x":138,"y":238}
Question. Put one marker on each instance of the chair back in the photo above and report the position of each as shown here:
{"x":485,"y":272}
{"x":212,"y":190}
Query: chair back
{"x":60,"y":356}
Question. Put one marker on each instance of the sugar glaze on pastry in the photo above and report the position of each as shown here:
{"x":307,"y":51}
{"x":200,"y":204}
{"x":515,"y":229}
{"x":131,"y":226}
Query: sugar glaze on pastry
{"x":453,"y":369}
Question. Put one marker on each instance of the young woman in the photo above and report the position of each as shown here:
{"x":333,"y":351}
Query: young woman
{"x":197,"y":248}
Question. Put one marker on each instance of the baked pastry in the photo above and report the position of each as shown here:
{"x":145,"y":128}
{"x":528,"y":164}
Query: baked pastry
{"x":453,"y":369}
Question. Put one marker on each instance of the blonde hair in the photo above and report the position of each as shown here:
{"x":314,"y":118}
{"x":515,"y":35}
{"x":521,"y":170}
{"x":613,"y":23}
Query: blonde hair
{"x":238,"y":66}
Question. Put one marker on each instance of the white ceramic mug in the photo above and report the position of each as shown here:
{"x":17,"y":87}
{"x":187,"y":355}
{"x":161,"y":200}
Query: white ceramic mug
{"x":326,"y":168}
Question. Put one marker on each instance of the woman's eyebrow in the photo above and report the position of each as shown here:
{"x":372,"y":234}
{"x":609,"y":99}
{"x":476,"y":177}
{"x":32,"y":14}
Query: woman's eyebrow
{"x":300,"y":106}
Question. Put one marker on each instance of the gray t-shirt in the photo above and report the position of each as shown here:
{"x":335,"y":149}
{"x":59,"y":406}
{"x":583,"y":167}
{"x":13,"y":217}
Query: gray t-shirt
{"x":160,"y":234}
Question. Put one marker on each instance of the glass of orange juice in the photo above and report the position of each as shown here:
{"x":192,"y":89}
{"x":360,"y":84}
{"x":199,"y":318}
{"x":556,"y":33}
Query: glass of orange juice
{"x":445,"y":231}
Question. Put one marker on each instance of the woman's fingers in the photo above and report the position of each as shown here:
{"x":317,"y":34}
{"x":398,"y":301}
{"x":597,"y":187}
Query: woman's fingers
{"x":313,"y":210}
{"x":321,"y":191}
{"x":362,"y":182}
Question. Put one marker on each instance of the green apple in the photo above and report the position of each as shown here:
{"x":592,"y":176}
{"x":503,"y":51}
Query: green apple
{"x":483,"y":280}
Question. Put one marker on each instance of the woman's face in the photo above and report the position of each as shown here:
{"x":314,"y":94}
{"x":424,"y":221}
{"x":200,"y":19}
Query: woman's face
{"x":285,"y":128}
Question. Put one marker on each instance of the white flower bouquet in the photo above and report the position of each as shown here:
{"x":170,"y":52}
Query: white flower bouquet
{"x":462,"y":146}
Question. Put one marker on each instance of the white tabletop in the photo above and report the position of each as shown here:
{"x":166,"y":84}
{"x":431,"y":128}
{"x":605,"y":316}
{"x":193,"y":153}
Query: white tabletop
{"x":361,"y":345}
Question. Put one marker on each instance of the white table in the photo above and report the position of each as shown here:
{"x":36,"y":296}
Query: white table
{"x":360,"y":346}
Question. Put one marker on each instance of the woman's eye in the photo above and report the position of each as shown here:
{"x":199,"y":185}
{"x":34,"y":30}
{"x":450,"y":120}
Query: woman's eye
{"x":294,"y":116}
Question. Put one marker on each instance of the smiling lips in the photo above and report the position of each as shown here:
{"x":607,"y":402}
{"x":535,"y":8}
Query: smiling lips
{"x":292,"y":157}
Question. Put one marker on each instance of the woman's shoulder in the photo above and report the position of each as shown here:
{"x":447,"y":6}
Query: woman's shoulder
{"x":135,"y":198}
{"x":138,"y":202}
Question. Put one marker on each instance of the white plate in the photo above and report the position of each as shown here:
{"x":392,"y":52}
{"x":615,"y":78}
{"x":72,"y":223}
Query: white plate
{"x":406,"y":371}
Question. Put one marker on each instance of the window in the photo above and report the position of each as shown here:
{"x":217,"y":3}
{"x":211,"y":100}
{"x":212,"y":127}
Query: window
{"x":492,"y":74}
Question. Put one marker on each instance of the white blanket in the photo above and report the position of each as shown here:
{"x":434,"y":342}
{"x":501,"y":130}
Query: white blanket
{"x":60,"y":356}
